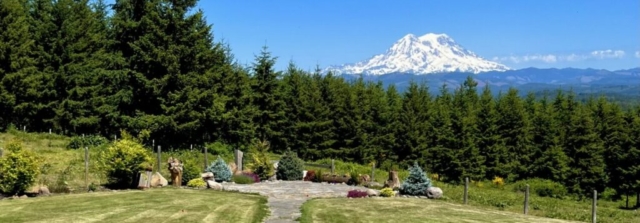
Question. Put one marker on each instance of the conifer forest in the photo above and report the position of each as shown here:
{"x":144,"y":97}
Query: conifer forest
{"x":85,"y":67}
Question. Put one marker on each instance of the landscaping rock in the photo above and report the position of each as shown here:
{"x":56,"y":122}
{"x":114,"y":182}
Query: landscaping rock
{"x":434,"y":192}
{"x":212,"y":184}
{"x":393,"y":181}
{"x":372,"y":192}
{"x":44,"y":191}
{"x":158,"y":180}
{"x":373,"y":184}
{"x":207,"y":175}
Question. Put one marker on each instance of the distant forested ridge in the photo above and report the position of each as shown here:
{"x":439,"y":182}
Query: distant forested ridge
{"x":84,"y":67}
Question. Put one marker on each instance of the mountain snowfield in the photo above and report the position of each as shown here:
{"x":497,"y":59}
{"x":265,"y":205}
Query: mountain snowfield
{"x":427,"y":54}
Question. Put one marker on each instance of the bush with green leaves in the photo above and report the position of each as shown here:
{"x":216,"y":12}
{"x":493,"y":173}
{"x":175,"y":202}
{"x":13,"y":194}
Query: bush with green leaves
{"x":19,"y":169}
{"x":197,"y":183}
{"x":290,"y":167}
{"x":417,"y":182}
{"x":123,"y":160}
{"x":541,"y":187}
{"x":220,"y":169}
{"x":78,"y":142}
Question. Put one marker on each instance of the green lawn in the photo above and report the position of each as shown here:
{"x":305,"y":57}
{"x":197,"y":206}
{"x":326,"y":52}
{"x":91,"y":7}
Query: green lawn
{"x":155,"y":205}
{"x":405,"y":210}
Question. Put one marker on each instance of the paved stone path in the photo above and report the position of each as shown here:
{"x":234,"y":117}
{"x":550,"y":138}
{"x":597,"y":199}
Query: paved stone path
{"x":286,"y":197}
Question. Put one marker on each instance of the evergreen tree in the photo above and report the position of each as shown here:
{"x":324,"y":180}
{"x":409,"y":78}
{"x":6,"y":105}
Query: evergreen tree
{"x":490,"y":142}
{"x":416,"y":183}
{"x":514,"y":127}
{"x":268,"y":100}
{"x":550,"y":160}
{"x":17,"y":67}
{"x":588,"y":171}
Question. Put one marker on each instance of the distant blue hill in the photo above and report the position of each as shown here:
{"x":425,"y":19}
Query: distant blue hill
{"x":582,"y":81}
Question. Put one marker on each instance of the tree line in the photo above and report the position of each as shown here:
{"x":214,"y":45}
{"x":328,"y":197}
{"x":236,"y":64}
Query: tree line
{"x":85,"y":67}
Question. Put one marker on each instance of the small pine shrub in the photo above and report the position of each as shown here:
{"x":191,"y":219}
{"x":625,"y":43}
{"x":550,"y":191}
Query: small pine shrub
{"x":260,"y":163}
{"x":356,"y":194}
{"x":387,"y":192}
{"x":541,"y":187}
{"x":197,"y":183}
{"x":242,"y":179}
{"x":498,"y":182}
{"x":311,"y":175}
{"x":18,"y":170}
{"x":122,"y":160}
{"x":417,"y":182}
{"x":221,"y":172}
{"x":290,"y":167}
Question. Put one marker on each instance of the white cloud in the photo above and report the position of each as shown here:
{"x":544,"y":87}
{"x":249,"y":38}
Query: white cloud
{"x":551,"y":58}
{"x":638,"y":54}
{"x":602,"y":54}
{"x":518,"y":59}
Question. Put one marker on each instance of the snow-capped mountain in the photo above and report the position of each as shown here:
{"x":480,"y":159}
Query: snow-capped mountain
{"x":430,"y":53}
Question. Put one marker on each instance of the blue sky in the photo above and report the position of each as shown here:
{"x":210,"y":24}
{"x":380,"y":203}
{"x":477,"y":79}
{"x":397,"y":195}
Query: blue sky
{"x":603,"y":34}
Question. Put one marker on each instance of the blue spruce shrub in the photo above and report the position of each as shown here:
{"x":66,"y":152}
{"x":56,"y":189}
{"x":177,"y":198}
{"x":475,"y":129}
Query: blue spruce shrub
{"x":417,"y":182}
{"x":290,"y":167}
{"x":220,"y":170}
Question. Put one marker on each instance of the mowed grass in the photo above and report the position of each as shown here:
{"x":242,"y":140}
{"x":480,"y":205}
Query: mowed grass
{"x":505,"y":199}
{"x":405,"y":210}
{"x":155,"y":205}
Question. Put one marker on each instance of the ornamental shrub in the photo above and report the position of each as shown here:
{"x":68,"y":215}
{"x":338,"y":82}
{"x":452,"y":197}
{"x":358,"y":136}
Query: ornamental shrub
{"x":197,"y":182}
{"x":417,"y":182}
{"x":290,"y":167}
{"x":498,"y":182}
{"x":19,"y":169}
{"x":221,"y":172}
{"x":357,"y":194}
{"x":311,"y":175}
{"x":122,"y":160}
{"x":260,"y":163}
{"x":242,"y":179}
{"x":387,"y":192}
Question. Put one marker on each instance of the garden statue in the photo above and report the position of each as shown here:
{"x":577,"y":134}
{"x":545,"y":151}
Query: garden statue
{"x":393,"y":181}
{"x":175,"y":167}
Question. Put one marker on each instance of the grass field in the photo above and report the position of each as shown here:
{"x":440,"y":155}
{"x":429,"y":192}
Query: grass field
{"x":156,"y":205}
{"x":405,"y":210}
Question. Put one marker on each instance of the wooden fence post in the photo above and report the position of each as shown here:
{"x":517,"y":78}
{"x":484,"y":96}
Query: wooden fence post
{"x":333,"y":166}
{"x":159,"y":153}
{"x":49,"y":131}
{"x":153,"y":144}
{"x":526,"y":200}
{"x":191,"y":147}
{"x":86,"y":167}
{"x":206,"y":157}
{"x":593,"y":206}
{"x":24,"y":128}
{"x":466,"y":189}
{"x":373,"y":171}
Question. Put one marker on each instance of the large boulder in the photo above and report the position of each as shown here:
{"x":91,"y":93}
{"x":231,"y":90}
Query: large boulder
{"x":212,"y":184}
{"x":158,"y":180}
{"x":43,"y":191}
{"x":373,"y":193}
{"x":434,"y":192}
{"x":207,"y":175}
{"x":372,"y":184}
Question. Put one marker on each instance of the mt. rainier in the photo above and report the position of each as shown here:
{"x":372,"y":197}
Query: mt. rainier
{"x":430,"y":53}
